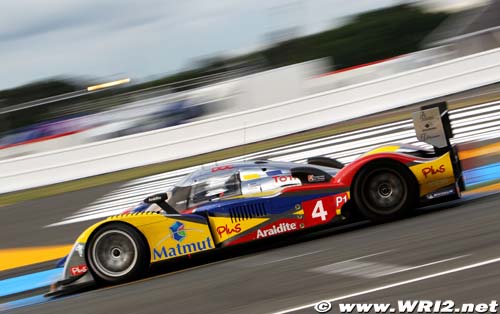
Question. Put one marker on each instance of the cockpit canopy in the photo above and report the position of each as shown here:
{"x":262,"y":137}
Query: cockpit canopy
{"x":210,"y":184}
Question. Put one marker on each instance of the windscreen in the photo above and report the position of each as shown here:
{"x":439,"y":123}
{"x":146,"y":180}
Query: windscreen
{"x":215,"y":187}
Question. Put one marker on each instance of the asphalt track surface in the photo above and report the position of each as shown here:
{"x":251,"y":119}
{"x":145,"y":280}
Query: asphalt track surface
{"x":449,"y":252}
{"x":21,"y":224}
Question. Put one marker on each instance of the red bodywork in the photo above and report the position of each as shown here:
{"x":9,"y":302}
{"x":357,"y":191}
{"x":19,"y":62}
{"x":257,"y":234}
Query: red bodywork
{"x":346,"y":175}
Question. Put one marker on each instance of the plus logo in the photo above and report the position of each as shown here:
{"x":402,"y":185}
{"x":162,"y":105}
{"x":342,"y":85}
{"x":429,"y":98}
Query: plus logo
{"x":431,"y":171}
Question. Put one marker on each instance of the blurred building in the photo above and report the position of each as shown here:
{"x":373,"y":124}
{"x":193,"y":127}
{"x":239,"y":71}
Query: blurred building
{"x":469,"y":31}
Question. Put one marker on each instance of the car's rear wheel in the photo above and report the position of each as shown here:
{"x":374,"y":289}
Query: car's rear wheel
{"x":117,"y":253}
{"x":384,"y":191}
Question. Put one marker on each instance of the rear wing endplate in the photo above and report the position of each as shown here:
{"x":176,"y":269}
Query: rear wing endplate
{"x":432,"y":125}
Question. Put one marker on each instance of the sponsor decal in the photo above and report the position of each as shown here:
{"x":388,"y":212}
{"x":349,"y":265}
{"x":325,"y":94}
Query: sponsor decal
{"x":429,"y":127}
{"x":426,"y":137}
{"x":263,"y":230}
{"x":155,"y":198}
{"x":276,"y":229}
{"x":273,"y":173}
{"x":440,"y":194}
{"x":226,"y":231}
{"x":224,"y":228}
{"x":312,"y":178}
{"x":78,"y":270}
{"x":251,"y":176}
{"x":431,"y":171}
{"x":182,"y":249}
{"x":177,"y":231}
{"x":424,"y":117}
{"x":79,"y":249}
{"x":286,"y":180}
{"x":282,"y":178}
{"x":221,"y":168}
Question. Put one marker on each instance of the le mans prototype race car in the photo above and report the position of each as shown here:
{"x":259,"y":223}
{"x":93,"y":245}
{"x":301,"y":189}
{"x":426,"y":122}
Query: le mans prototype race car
{"x":237,"y":203}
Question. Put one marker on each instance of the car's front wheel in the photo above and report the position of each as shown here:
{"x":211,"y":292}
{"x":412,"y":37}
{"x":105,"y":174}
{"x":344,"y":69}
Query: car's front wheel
{"x":384,"y":191}
{"x":117,"y":253}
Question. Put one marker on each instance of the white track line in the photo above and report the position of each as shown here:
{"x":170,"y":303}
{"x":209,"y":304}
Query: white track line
{"x":424,"y":265}
{"x":365,"y":256}
{"x":288,"y":258}
{"x":393,"y":285}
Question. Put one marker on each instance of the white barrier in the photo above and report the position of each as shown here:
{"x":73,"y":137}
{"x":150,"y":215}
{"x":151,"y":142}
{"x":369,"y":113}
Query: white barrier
{"x":251,"y":126}
{"x":379,"y":70}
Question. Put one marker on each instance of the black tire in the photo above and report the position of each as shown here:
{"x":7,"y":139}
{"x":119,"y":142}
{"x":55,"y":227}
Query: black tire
{"x":117,"y":253}
{"x":385,"y":191}
{"x":351,"y":213}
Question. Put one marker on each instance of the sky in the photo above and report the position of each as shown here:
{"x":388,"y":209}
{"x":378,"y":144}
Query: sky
{"x":105,"y":39}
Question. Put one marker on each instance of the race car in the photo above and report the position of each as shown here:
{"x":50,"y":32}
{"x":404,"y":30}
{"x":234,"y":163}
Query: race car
{"x":234,"y":203}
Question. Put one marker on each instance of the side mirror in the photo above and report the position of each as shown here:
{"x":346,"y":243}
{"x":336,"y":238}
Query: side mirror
{"x":156,"y":199}
{"x":160,"y":200}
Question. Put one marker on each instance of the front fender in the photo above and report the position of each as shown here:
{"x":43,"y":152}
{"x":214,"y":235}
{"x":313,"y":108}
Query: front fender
{"x":191,"y":236}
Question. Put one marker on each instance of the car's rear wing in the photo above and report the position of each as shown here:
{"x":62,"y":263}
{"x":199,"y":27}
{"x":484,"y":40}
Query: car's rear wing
{"x":432,"y":125}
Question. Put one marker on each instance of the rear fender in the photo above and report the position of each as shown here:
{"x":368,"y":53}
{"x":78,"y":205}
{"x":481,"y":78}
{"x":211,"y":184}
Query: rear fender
{"x":347,"y":174}
{"x":434,"y":174}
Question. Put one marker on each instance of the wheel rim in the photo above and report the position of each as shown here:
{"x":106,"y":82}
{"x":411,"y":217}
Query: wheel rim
{"x":114,"y":253}
{"x":386,"y":192}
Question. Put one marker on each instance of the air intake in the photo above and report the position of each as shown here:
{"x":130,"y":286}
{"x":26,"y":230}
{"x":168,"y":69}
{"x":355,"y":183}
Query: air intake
{"x":247,"y":211}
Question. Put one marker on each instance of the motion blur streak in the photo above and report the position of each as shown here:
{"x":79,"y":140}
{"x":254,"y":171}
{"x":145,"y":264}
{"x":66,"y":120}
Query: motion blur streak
{"x":108,"y":84}
{"x":18,"y":257}
{"x":29,"y":282}
{"x":488,"y":149}
{"x":22,"y":302}
{"x":482,"y":174}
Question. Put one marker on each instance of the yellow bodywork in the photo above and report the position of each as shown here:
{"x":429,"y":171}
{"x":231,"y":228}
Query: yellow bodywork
{"x":226,"y":228}
{"x":163,"y":243}
{"x":383,"y":149}
{"x":434,"y":174}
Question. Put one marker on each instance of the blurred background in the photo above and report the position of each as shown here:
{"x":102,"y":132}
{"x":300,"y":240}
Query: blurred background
{"x":74,"y":73}
{"x":103,"y":103}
